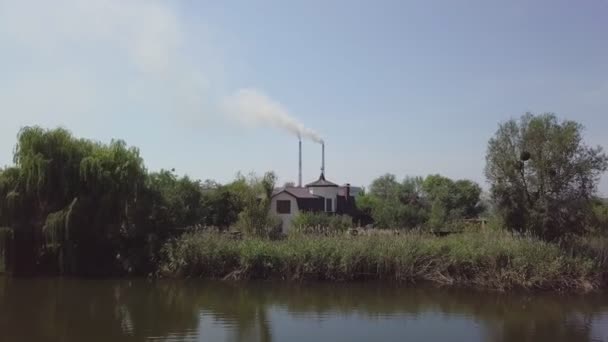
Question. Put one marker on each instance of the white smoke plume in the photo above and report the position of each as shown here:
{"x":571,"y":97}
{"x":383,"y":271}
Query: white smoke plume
{"x":251,"y":106}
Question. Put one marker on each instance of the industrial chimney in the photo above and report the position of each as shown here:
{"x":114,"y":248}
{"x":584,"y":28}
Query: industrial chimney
{"x":323,"y":158}
{"x":300,"y":165}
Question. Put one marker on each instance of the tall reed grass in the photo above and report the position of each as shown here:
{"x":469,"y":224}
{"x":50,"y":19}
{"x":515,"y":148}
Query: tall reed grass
{"x":491,"y":259}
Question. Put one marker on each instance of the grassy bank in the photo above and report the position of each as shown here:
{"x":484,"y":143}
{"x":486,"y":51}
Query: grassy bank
{"x":493,"y":260}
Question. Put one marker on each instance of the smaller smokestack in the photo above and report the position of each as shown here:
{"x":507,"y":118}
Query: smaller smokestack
{"x":323,"y":158}
{"x":300,"y":165}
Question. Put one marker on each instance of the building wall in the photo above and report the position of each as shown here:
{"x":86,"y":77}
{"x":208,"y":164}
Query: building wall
{"x":285,"y":218}
{"x":326,"y":192}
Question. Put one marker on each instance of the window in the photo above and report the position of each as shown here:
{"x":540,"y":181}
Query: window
{"x":284,"y":207}
{"x":328,"y":205}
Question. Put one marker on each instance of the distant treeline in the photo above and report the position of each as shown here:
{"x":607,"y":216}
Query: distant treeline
{"x":76,"y":206}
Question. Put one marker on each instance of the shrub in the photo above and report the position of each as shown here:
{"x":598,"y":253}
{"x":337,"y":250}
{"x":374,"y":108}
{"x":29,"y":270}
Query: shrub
{"x":321,"y":223}
{"x":599,"y":220}
{"x":255,"y":219}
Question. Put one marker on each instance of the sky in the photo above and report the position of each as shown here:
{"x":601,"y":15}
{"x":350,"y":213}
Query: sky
{"x":212,"y":88}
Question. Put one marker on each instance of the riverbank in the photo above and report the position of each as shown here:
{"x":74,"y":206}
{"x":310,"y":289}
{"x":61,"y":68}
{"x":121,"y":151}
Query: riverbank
{"x":490,"y":260}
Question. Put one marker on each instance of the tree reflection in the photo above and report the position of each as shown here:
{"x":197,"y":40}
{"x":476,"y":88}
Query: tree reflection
{"x":139,"y":310}
{"x":59,"y":310}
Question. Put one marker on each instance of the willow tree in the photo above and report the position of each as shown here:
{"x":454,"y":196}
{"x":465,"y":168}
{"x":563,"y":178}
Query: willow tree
{"x":72,"y":197}
{"x":543,"y":175}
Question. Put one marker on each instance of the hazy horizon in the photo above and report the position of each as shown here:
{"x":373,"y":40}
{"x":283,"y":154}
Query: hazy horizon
{"x":404,"y":87}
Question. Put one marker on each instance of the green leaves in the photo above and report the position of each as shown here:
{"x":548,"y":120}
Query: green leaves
{"x":178,"y":200}
{"x":255,"y":219}
{"x":52,"y":170}
{"x":543,"y":175}
{"x":434,"y":201}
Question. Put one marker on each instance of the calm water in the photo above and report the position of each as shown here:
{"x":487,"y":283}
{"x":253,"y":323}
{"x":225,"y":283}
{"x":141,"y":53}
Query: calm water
{"x":140,"y":310}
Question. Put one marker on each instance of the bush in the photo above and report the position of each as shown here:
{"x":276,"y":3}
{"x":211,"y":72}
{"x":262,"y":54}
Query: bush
{"x":256,"y":219}
{"x":321,"y":223}
{"x":599,"y":220}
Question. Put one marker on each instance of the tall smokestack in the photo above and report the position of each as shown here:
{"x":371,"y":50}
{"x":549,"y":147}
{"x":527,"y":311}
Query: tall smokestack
{"x":300,"y":165}
{"x":323,"y":158}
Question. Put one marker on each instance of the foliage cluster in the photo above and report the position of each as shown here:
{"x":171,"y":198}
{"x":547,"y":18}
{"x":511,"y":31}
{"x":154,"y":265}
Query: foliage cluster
{"x":543,"y":176}
{"x":321,"y":223}
{"x":433,"y":202}
{"x":73,"y":203}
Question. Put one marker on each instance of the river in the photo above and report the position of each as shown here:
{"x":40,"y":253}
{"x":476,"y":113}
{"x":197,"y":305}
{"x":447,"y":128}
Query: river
{"x":66,"y":309}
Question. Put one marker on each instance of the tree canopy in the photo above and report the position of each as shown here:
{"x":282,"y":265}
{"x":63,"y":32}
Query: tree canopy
{"x":433,"y":202}
{"x":73,"y":203}
{"x":451,"y":200}
{"x":543,"y":175}
{"x":74,"y":196}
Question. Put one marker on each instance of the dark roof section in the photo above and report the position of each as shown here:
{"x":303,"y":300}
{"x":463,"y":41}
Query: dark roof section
{"x":321,"y":182}
{"x":295,"y":192}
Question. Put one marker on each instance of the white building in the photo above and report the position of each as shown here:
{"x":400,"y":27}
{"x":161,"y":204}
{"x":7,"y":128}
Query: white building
{"x":320,"y":195}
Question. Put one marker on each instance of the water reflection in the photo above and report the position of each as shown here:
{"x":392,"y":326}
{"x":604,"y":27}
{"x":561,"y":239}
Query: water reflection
{"x":140,"y":310}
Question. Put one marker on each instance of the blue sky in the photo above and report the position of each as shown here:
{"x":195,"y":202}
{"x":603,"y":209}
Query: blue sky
{"x":406,"y":87}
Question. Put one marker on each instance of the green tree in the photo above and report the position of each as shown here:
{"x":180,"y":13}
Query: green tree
{"x":256,"y":218}
{"x":416,"y":202}
{"x":451,"y":200}
{"x":543,"y":175}
{"x":394,"y":204}
{"x":223,"y":203}
{"x":179,"y":200}
{"x":72,"y":198}
{"x":77,"y":206}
